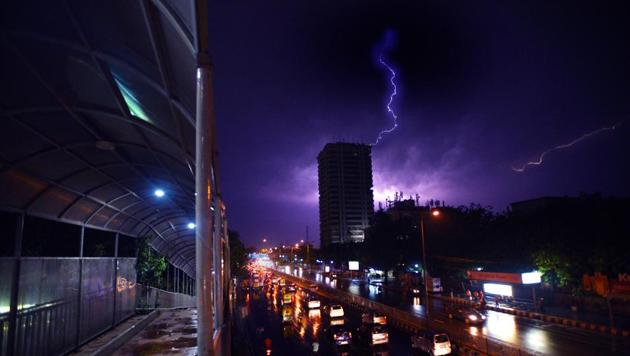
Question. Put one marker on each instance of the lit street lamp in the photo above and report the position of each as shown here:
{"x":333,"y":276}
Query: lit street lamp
{"x":434,"y":213}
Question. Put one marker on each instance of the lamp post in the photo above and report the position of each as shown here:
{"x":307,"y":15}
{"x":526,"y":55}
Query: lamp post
{"x":425,"y":273}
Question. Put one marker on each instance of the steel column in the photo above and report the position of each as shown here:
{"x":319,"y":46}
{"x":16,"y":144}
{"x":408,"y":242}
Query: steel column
{"x":80,"y":287}
{"x":203,"y":214}
{"x":168,"y":278}
{"x":115,"y":276}
{"x":15,"y":285}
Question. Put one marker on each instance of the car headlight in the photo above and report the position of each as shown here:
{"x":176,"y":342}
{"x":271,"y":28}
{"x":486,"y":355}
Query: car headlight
{"x":472,"y":317}
{"x":483,"y":317}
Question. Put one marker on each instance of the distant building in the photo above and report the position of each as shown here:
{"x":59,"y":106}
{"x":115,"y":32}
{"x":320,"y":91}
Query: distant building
{"x":536,"y":205}
{"x":405,"y":209}
{"x":346,"y":203}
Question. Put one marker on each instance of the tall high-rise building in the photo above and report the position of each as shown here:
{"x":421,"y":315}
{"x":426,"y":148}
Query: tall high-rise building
{"x":346,"y":202}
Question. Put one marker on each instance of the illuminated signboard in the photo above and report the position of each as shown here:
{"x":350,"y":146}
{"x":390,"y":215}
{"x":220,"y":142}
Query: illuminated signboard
{"x":353,"y":265}
{"x":498,"y":289}
{"x":531,"y":277}
{"x":513,"y":278}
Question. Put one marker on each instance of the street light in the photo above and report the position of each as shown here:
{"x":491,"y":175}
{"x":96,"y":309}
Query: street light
{"x":434,"y":213}
{"x":264,"y":240}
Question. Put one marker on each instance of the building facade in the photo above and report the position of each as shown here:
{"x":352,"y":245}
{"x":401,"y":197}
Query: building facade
{"x":346,"y":202}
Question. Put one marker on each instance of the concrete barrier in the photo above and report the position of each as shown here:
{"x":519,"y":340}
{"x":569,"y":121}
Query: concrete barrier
{"x":543,"y":317}
{"x":115,"y":343}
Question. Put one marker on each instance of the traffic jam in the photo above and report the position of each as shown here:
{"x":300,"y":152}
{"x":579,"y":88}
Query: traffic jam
{"x":327,"y":327}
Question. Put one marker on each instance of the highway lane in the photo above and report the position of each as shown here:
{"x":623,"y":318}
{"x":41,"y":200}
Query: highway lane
{"x":261,"y":312}
{"x":520,"y":333}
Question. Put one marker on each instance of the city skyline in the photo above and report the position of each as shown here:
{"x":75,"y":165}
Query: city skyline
{"x":473,"y":102}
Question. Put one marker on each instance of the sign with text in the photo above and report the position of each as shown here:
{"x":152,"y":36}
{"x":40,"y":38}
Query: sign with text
{"x":621,"y":285}
{"x":514,"y":278}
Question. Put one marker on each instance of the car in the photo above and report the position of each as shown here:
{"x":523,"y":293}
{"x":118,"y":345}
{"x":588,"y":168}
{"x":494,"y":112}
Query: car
{"x":287,"y":298}
{"x":379,"y":318}
{"x":336,"y":311}
{"x":287,"y":314}
{"x":337,"y":321}
{"x":341,"y":335}
{"x":467,"y":315}
{"x":373,"y":317}
{"x":435,"y":344}
{"x":313,"y":303}
{"x":379,"y":335}
{"x":416,"y":291}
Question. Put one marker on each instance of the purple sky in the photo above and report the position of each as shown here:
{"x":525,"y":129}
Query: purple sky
{"x":482,"y":87}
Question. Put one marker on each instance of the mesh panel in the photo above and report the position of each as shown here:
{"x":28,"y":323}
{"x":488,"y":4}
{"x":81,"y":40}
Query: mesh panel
{"x":97,"y":302}
{"x":126,"y":288}
{"x":47,"y":300}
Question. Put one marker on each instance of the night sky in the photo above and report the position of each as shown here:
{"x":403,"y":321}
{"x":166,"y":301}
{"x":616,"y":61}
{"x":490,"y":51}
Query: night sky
{"x":483,"y":86}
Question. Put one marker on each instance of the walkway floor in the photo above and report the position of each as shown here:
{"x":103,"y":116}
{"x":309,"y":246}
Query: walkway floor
{"x":90,"y":347}
{"x":174,"y":332}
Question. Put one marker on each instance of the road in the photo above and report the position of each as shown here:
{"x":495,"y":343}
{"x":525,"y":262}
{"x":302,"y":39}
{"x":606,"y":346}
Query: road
{"x":519,"y":333}
{"x":260,"y":312}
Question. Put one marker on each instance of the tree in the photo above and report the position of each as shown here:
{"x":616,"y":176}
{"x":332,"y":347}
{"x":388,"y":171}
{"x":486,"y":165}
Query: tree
{"x":150,"y":265}
{"x":238,"y":254}
{"x":556,"y":268}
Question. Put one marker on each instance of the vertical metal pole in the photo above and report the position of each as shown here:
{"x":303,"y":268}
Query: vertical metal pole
{"x":610,"y":312}
{"x":15,"y":285}
{"x":425,"y":270}
{"x":80,"y":288}
{"x":115,"y":277}
{"x":534,"y":299}
{"x":168,"y":277}
{"x":218,"y":273}
{"x":203,"y":201}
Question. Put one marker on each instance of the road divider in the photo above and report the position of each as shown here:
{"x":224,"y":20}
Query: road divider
{"x":542,"y":317}
{"x":467,"y":344}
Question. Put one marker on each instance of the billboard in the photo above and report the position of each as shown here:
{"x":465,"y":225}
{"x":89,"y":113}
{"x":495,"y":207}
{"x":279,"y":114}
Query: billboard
{"x":514,"y":278}
{"x":531,"y":277}
{"x":498,"y":289}
{"x":353,"y":265}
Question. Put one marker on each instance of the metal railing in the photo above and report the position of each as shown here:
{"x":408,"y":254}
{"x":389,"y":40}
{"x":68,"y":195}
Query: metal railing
{"x":64,"y":302}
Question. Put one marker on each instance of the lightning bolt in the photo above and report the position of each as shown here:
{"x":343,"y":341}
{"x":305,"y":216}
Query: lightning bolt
{"x":392,"y":82}
{"x":542,"y":156}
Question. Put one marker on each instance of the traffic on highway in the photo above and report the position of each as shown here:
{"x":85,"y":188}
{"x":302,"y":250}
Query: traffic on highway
{"x":295,"y":318}
{"x":285,"y":318}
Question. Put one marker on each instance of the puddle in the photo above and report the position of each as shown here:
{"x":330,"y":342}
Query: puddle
{"x":154,"y":333}
{"x":190,"y":330}
{"x":159,"y":348}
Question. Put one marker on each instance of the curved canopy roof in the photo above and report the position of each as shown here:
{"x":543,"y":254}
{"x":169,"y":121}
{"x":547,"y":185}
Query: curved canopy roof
{"x":98,"y":103}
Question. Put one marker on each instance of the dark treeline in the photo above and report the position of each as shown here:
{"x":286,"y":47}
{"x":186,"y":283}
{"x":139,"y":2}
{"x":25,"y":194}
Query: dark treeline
{"x":562,"y":237}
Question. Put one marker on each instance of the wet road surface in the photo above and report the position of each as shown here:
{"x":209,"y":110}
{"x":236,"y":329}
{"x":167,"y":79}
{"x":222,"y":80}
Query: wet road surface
{"x":262,"y":314}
